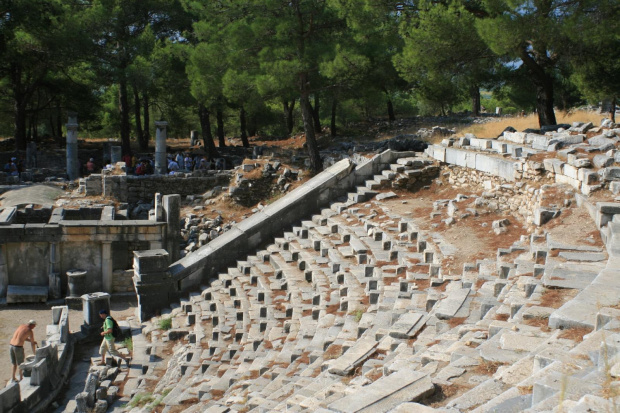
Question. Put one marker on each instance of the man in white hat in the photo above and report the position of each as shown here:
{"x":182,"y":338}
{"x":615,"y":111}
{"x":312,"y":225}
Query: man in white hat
{"x":22,"y":334}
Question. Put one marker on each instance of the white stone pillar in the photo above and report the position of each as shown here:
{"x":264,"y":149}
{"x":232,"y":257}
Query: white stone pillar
{"x":73,"y":164}
{"x":106,"y":267}
{"x":161,"y":166}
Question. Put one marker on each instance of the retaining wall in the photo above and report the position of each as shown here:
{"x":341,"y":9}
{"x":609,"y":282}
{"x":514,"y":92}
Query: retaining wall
{"x":493,"y":165}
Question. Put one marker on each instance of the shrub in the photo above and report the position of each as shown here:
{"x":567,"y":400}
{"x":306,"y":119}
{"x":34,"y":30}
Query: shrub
{"x":165,"y":324}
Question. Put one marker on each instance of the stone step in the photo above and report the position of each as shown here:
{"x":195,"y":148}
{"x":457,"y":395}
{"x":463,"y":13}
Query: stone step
{"x":386,"y":393}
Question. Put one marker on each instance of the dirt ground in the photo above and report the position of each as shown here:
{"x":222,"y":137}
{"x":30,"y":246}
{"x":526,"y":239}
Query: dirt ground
{"x":11,"y":316}
{"x":473,"y":237}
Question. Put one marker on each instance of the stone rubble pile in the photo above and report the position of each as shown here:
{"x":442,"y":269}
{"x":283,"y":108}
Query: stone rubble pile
{"x":350,"y":312}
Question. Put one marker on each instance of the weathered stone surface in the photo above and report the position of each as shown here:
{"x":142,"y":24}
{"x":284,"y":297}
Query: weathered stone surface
{"x":353,"y":357}
{"x":452,"y":304}
{"x":386,"y":393}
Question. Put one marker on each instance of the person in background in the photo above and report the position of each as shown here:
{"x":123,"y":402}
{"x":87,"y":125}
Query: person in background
{"x":11,"y":167}
{"x":90,"y":165}
{"x":127,"y":159}
{"x":179,"y":160}
{"x":188,"y":162}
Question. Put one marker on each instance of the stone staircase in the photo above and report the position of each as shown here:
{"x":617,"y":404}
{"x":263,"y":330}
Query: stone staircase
{"x":349,"y":312}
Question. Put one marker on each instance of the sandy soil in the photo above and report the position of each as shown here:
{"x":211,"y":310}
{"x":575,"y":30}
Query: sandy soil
{"x":11,"y":316}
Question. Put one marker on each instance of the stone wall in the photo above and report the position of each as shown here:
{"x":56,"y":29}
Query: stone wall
{"x":122,"y":281}
{"x":131,"y":189}
{"x":520,"y":198}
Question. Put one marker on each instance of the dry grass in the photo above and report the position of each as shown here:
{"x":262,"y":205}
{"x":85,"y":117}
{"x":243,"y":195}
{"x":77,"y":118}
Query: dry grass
{"x":493,"y":129}
{"x":502,"y":317}
{"x":374,"y":375}
{"x":556,"y":297}
{"x":487,"y":368}
{"x":542,"y":323}
{"x":333,"y":352}
{"x":576,"y":334}
{"x":456,"y":321}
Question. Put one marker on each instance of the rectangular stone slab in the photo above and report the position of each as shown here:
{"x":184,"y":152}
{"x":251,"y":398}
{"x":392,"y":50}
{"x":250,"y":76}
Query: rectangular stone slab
{"x":353,"y":357}
{"x":408,"y":325}
{"x":26,"y":294}
{"x":449,"y":306}
{"x":386,"y":393}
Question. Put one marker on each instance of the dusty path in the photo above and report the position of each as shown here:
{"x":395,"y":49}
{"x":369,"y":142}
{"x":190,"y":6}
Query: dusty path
{"x":11,"y":316}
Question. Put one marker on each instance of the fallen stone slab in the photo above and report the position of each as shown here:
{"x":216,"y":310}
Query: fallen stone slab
{"x":353,"y":357}
{"x":386,"y":393}
{"x":452,"y":304}
{"x":408,"y":325}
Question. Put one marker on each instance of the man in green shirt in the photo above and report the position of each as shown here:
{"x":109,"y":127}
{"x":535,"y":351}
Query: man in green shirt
{"x":107,"y":345}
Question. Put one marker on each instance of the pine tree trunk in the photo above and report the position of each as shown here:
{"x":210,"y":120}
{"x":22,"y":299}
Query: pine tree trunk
{"x":544,"y":101}
{"x":19,"y":107}
{"x":390,"y":109}
{"x":332,"y":125}
{"x":207,"y":136}
{"x":244,"y":134}
{"x":543,"y":83}
{"x":219,"y":117}
{"x":612,"y":110}
{"x":253,"y":125}
{"x":288,"y":115}
{"x":123,"y":107}
{"x":58,"y":121}
{"x":316,"y":164}
{"x":51,"y":123}
{"x":137,"y":108}
{"x":33,"y":124}
{"x":474,"y":92}
{"x":146,"y":131}
{"x":316,"y":110}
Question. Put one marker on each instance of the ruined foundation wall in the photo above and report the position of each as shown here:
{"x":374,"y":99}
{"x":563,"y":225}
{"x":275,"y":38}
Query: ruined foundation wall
{"x":129,"y":188}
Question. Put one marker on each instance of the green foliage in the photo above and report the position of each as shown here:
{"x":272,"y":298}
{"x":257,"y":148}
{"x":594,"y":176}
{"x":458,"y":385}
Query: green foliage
{"x":128,"y":343}
{"x":165,"y":324}
{"x":140,"y":399}
{"x":357,"y":314}
{"x":123,"y":64}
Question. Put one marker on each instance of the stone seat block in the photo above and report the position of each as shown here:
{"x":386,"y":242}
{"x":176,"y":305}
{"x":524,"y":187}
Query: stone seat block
{"x":26,"y":294}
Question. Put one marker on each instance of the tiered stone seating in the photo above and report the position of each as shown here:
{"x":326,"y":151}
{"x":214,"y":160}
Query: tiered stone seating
{"x":350,"y":311}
